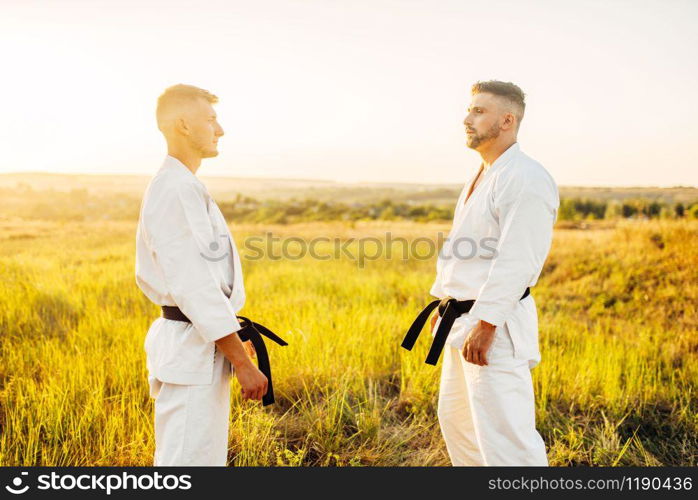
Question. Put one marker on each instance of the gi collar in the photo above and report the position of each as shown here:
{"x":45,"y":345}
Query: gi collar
{"x":172,"y":162}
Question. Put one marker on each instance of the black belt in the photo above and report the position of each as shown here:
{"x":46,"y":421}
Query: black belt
{"x":449,"y":310}
{"x":250,"y":331}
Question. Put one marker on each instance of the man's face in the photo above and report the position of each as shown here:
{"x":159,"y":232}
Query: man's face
{"x":204,"y":129}
{"x":482,"y":124}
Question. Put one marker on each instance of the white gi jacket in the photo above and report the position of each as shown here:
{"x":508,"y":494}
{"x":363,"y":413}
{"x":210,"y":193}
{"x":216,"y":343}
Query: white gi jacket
{"x":512,"y":210}
{"x":185,"y":256}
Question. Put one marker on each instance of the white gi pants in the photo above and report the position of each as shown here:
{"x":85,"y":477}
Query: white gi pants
{"x":487,"y":413}
{"x":191,"y":421}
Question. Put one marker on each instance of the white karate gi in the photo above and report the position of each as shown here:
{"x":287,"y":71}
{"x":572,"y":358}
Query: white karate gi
{"x":487,"y":413}
{"x":186,"y":257}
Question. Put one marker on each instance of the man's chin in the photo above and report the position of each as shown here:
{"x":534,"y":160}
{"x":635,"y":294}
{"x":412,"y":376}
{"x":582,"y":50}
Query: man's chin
{"x":210,"y":154}
{"x":472,"y":144}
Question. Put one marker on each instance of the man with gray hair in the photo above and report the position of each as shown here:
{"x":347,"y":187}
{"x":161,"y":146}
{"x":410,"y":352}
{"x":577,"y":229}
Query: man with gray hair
{"x":487,"y":324}
{"x":187,"y":263}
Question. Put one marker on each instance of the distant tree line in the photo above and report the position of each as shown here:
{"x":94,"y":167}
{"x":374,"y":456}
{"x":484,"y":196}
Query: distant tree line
{"x":585,"y":209}
{"x":79,"y":204}
{"x":245,"y":209}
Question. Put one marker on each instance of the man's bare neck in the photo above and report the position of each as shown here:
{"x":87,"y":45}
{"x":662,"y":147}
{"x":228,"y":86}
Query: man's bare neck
{"x":490,"y":155}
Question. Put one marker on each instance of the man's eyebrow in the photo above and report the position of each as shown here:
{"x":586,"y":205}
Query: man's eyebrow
{"x":476,"y":107}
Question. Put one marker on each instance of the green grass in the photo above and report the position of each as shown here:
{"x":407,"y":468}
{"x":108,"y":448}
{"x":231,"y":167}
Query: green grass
{"x":616,"y":386}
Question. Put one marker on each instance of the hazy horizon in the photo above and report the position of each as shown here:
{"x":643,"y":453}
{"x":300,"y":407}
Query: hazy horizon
{"x":354,"y":91}
{"x":205,"y":176}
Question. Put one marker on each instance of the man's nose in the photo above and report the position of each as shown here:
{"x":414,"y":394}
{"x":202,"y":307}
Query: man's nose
{"x":220,"y":131}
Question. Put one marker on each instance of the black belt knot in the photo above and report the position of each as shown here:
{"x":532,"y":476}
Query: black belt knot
{"x":449,"y":309}
{"x":461,"y":306}
{"x":249,"y":331}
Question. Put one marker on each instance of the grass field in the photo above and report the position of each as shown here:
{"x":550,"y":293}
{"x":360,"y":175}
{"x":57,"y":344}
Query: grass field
{"x":616,"y":386}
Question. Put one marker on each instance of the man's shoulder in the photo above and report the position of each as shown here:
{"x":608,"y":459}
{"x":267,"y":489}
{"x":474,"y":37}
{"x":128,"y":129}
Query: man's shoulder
{"x":171,"y":182}
{"x":525,"y":176}
{"x":525,"y":169}
{"x":168,"y":191}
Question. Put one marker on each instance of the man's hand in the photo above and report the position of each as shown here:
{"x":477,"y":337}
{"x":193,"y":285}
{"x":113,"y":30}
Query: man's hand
{"x":434,"y":317}
{"x":253,"y":382}
{"x":478,"y":343}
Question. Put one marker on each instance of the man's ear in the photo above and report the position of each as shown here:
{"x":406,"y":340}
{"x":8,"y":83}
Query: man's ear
{"x":181,"y":127}
{"x":509,"y":121}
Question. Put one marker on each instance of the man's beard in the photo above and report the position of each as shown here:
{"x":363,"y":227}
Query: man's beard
{"x":474,"y":140}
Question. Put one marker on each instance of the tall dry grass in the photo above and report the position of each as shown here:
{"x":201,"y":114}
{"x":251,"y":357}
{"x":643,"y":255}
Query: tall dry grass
{"x":617,"y":384}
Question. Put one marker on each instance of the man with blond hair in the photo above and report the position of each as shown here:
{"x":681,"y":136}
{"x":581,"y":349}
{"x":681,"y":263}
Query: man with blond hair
{"x":187,"y":263}
{"x":487,"y":324}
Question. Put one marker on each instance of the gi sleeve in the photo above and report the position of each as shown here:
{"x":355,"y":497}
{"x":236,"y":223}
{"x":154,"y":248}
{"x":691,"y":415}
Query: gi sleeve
{"x":180,"y":238}
{"x":526,"y":206}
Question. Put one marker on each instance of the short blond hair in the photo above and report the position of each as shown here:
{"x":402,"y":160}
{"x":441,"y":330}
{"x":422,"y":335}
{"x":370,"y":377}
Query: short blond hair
{"x":176,"y":95}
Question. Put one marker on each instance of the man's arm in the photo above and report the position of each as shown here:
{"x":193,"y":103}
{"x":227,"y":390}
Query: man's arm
{"x":253,"y":382}
{"x":180,"y":236}
{"x":526,"y":208}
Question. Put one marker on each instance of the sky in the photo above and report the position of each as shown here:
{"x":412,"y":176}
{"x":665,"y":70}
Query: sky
{"x":353,"y":90}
